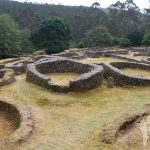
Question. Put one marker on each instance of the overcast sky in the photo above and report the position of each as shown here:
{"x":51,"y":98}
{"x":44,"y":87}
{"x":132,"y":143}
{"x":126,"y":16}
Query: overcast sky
{"x":104,"y":3}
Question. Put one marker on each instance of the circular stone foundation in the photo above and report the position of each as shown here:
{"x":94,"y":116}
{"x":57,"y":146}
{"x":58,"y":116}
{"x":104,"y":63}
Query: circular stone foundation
{"x":19,"y":66}
{"x":18,"y":121}
{"x":7,"y":76}
{"x":146,"y":60}
{"x":121,"y":78}
{"x":129,"y":130}
{"x":90,"y":76}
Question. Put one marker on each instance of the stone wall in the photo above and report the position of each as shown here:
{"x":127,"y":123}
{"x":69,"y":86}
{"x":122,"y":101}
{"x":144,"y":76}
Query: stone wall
{"x":7,"y":76}
{"x":122,"y":125}
{"x":146,"y":60}
{"x":91,"y":75}
{"x":23,"y":118}
{"x":121,"y":78}
{"x":18,"y":66}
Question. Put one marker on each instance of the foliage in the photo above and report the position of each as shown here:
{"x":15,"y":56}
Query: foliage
{"x":120,"y":18}
{"x":146,"y":40}
{"x":115,"y":41}
{"x":135,"y":37}
{"x":124,"y":42}
{"x":10,"y":37}
{"x":26,"y":44}
{"x":98,"y":37}
{"x":53,"y":35}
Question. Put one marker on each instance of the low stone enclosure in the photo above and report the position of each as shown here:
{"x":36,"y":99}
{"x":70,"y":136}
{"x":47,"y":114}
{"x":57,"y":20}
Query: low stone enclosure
{"x":97,"y":53}
{"x":7,"y":76}
{"x":91,"y":76}
{"x":121,"y":78}
{"x":90,"y":53}
{"x":122,"y":126}
{"x":146,"y":60}
{"x":19,"y":66}
{"x":22,"y":116}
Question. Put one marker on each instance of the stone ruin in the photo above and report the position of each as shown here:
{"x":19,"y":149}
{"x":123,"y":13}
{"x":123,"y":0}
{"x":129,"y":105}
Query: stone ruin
{"x":121,"y":78}
{"x":7,"y":76}
{"x":23,"y":119}
{"x":91,"y":76}
{"x":122,"y":129}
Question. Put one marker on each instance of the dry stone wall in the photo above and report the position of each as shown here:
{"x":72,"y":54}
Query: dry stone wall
{"x":23,"y":118}
{"x":121,"y":78}
{"x":91,"y":76}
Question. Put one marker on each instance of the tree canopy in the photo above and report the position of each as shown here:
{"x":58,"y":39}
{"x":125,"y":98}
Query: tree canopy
{"x":98,"y":37}
{"x":146,"y":40}
{"x":53,"y":35}
{"x":10,"y":36}
{"x":119,"y":20}
{"x":135,"y":37}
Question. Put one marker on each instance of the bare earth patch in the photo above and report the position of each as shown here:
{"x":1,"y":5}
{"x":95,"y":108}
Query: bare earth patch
{"x":136,"y":71}
{"x":7,"y":126}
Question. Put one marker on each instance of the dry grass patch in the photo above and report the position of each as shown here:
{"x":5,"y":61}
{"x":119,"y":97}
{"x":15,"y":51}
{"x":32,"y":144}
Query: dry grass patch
{"x":6,"y":60}
{"x":136,"y":71}
{"x":72,"y":121}
{"x":102,"y":60}
{"x":62,"y":78}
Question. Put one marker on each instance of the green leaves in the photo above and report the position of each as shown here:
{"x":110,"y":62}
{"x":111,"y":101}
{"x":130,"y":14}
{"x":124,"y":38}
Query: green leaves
{"x":98,"y":37}
{"x":135,"y":37}
{"x":53,"y":35}
{"x":10,"y":36}
{"x":146,"y":40}
{"x":124,"y":42}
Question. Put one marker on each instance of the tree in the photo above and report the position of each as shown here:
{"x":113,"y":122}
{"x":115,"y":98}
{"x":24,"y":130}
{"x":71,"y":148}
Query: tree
{"x":98,"y":37}
{"x":10,"y":37}
{"x":146,"y":40}
{"x":124,"y":17}
{"x":26,"y":44}
{"x":135,"y":37}
{"x":53,"y":35}
{"x":96,"y":5}
{"x":124,"y":42}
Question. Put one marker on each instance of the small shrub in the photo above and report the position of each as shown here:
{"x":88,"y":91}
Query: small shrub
{"x":124,"y":42}
{"x":135,"y":37}
{"x":146,"y":40}
{"x":98,"y":37}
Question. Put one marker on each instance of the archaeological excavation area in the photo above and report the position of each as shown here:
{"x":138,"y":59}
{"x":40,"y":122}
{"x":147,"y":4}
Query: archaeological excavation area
{"x":81,"y":99}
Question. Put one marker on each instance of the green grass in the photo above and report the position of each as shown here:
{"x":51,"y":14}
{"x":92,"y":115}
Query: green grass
{"x":72,"y":121}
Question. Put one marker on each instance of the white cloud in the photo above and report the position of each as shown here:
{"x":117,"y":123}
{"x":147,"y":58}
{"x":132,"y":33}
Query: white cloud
{"x":104,"y":3}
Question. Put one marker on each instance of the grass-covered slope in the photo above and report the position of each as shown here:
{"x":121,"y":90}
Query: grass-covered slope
{"x":72,"y":121}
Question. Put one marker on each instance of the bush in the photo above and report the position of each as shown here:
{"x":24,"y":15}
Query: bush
{"x":135,"y":37}
{"x":115,"y":41}
{"x":146,"y":40}
{"x":53,"y":35}
{"x":98,"y":37}
{"x":124,"y":42}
